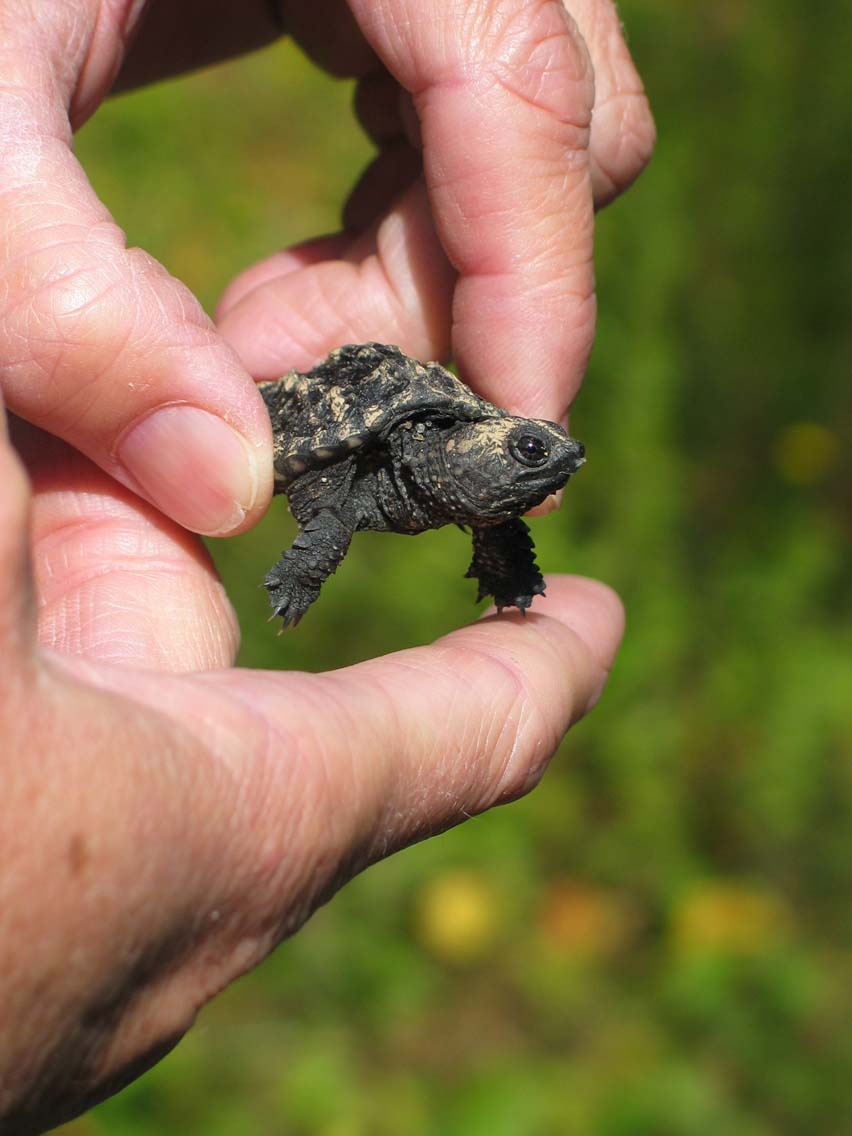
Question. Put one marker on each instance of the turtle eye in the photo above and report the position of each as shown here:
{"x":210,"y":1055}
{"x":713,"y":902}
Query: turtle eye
{"x":530,"y":450}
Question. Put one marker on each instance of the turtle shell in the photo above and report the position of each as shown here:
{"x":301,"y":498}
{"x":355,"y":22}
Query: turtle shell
{"x":355,"y":398}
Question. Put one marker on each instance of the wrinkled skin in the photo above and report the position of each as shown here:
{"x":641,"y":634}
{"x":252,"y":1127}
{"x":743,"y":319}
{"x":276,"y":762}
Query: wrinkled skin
{"x":168,"y":819}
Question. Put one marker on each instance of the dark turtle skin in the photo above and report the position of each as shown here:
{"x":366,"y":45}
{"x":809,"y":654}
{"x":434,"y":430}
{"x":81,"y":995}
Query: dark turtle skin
{"x":373,"y":440}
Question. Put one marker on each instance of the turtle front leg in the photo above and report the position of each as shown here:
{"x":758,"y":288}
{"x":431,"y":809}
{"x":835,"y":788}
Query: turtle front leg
{"x":295,"y":581}
{"x":504,"y":564}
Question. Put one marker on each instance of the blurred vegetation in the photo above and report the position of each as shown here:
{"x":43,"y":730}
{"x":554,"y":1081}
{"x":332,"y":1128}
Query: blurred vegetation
{"x":656,"y":942}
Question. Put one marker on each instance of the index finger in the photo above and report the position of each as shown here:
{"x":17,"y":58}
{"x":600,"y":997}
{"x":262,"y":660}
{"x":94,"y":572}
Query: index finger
{"x":504,"y":91}
{"x":99,"y":345}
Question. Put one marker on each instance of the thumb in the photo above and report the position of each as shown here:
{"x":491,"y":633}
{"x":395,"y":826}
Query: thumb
{"x":100,"y":346}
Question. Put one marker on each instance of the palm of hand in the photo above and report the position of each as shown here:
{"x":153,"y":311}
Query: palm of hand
{"x":198,"y":811}
{"x":255,"y":794}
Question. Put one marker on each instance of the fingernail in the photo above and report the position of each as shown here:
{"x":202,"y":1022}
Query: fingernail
{"x":193,"y":466}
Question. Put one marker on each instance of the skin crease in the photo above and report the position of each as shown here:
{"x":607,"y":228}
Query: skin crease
{"x":168,"y":819}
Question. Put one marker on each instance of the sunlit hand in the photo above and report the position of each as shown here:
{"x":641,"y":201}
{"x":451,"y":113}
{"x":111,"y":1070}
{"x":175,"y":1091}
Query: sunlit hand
{"x":500,"y":126}
{"x":185,"y":823}
{"x":525,"y":116}
{"x":488,"y":248}
{"x":161,"y":832}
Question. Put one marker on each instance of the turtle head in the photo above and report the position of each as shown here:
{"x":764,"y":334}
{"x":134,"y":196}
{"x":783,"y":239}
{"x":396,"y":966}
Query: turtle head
{"x":501,"y":467}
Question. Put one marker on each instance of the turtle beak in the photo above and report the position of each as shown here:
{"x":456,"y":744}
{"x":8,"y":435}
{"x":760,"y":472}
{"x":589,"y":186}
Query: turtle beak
{"x":567,"y":455}
{"x":576,"y":455}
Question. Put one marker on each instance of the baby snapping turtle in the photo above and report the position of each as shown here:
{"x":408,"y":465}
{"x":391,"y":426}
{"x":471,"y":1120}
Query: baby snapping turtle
{"x":373,"y":440}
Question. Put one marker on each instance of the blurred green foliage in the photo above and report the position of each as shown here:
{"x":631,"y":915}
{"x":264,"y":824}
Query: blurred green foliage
{"x":656,"y":942}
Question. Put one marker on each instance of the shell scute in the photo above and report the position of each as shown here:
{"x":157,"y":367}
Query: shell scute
{"x":354,"y":398}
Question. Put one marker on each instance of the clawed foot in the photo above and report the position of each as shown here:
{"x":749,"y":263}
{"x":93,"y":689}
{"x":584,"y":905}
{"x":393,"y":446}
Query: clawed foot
{"x":504,"y":565}
{"x":521,"y":599}
{"x":290,"y":597}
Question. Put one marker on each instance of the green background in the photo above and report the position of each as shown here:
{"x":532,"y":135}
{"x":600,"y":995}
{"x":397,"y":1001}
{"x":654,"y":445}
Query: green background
{"x":656,"y":942}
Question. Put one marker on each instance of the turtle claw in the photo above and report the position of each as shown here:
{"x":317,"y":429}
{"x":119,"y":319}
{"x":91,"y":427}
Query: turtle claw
{"x":521,"y":602}
{"x":289,"y":597}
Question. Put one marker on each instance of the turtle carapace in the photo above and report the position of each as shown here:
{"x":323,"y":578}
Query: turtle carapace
{"x":373,"y":440}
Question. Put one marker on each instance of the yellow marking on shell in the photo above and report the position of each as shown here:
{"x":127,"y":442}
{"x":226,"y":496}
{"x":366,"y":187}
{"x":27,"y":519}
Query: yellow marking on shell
{"x":338,"y":403}
{"x":371,"y":417}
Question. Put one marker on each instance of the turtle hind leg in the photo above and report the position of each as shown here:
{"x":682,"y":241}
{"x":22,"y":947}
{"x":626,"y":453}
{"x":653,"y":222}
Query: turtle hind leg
{"x":295,"y":581}
{"x":504,"y":565}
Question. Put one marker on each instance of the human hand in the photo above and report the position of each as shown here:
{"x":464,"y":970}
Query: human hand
{"x":161,"y":832}
{"x":248,"y":803}
{"x":489,"y":250}
{"x":500,"y":127}
{"x":98,"y":344}
{"x":524,"y":118}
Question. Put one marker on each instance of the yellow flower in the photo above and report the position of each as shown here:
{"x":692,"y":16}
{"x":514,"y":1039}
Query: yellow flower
{"x":729,"y":917}
{"x":457,"y":916}
{"x":805,"y":453}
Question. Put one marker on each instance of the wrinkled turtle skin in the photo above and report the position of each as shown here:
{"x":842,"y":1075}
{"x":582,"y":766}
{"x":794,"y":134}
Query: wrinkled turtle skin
{"x":373,"y":440}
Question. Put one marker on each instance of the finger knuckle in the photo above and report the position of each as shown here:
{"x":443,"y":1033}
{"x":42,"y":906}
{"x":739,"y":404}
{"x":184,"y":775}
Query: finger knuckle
{"x":52,"y":302}
{"x":76,"y":307}
{"x":539,"y":58}
{"x":516,"y":735}
{"x":623,"y":140}
{"x":527,"y":743}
